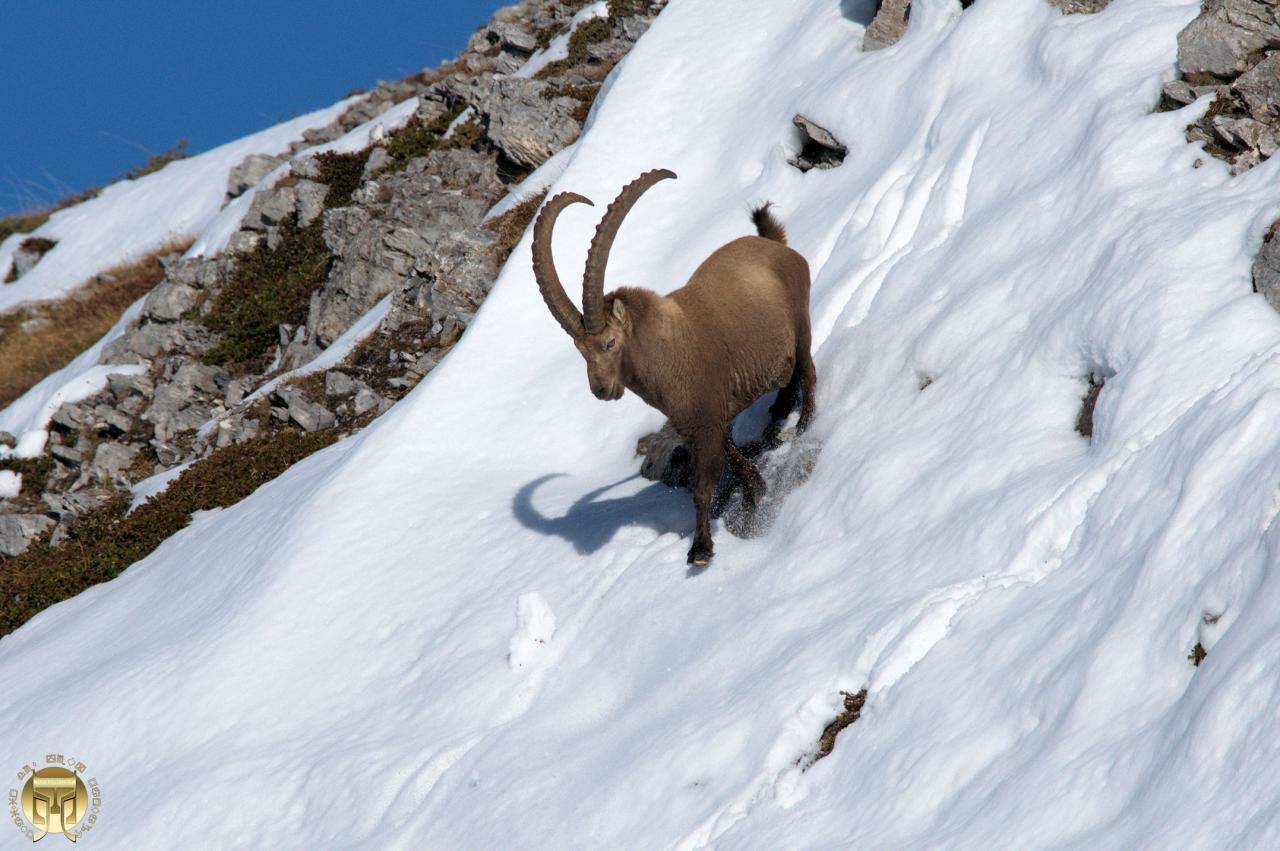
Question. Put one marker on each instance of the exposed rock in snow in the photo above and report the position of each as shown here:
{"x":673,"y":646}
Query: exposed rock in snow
{"x":17,"y":530}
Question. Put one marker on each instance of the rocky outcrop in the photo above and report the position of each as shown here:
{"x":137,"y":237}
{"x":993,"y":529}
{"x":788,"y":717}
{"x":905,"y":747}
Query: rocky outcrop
{"x":1231,"y":51}
{"x":409,"y":223}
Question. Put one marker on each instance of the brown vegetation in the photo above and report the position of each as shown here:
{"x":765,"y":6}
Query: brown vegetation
{"x":511,"y":225}
{"x":38,"y":339}
{"x":98,"y":546}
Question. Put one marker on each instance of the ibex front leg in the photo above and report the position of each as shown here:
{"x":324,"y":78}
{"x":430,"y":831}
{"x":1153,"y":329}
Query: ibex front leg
{"x":708,"y":463}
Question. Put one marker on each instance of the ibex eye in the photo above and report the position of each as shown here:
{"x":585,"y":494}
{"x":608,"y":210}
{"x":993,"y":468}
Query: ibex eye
{"x":608,"y":347}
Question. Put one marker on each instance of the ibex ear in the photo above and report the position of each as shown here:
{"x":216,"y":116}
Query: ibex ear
{"x":619,"y":309}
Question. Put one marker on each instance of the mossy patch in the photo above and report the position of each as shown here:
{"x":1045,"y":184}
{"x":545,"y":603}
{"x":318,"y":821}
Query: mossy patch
{"x":853,"y":704}
{"x":417,"y":139}
{"x":101,"y":544}
{"x":1084,"y":420}
{"x":271,"y":287}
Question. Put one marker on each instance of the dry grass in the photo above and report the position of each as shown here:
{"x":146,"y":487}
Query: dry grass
{"x":38,"y":339}
{"x":511,"y":225}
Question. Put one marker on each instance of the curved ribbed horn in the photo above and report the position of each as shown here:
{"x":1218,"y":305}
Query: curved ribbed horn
{"x":544,"y":265}
{"x":598,"y":255}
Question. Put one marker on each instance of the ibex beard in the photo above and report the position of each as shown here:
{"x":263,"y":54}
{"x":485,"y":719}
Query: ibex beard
{"x":737,"y":329}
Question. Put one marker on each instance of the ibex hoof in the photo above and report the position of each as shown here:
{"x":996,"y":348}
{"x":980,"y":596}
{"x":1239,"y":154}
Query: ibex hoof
{"x":700,"y":554}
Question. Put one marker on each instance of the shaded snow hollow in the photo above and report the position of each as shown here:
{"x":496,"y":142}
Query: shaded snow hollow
{"x":327,"y":664}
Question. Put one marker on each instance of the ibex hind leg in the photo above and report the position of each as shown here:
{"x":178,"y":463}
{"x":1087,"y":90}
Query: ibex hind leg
{"x":808,"y":386}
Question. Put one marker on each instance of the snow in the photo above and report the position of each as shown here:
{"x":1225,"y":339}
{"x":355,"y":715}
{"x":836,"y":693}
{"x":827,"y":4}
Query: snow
{"x":535,"y":627}
{"x":10,"y":484}
{"x":1018,"y":601}
{"x":134,"y":217}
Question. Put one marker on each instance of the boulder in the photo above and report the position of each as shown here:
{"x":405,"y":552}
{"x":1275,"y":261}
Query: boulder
{"x":18,"y":530}
{"x":1225,"y":39}
{"x":251,"y":169}
{"x":1259,"y":88}
{"x":169,"y":301}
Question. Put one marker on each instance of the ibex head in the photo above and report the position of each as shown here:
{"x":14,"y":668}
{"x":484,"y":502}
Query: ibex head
{"x":601,"y":330}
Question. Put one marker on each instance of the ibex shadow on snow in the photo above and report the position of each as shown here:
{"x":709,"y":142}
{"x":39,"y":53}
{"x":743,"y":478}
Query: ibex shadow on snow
{"x":702,"y":354}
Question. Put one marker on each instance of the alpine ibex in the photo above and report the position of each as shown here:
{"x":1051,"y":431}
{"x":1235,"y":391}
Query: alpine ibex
{"x":702,"y":354}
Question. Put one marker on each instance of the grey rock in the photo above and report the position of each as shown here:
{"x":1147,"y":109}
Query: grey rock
{"x":337,"y":383}
{"x":235,"y":429}
{"x":18,"y":530}
{"x":378,"y":158}
{"x":308,"y":415}
{"x":310,"y":199}
{"x":110,"y":461}
{"x":1226,"y":37}
{"x":819,"y":149}
{"x":270,"y":207}
{"x":124,"y":385}
{"x":7,"y":439}
{"x":1266,"y":270}
{"x":68,"y":417}
{"x":305,"y":167}
{"x":244,"y":242}
{"x":528,"y":127}
{"x":1179,"y":92}
{"x":366,"y":400}
{"x":169,"y":301}
{"x":251,"y":169}
{"x":111,"y":420}
{"x":1259,"y":88}
{"x":66,"y":454}
{"x":889,"y":25}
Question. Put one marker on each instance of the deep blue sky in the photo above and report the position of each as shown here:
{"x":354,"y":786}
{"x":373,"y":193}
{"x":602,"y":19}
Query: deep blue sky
{"x":89,"y":87}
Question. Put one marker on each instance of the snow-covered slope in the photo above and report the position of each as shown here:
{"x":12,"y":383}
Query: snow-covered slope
{"x":325,"y":664}
{"x":133,"y":217}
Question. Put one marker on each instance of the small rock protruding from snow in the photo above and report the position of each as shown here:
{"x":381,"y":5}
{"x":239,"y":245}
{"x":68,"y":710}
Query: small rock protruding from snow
{"x":535,"y":626}
{"x":888,"y":25}
{"x":821,"y":149}
{"x":1266,"y":268}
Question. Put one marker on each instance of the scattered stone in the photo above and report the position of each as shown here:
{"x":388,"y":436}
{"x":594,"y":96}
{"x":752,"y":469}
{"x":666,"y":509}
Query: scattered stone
{"x":270,"y":207}
{"x":7,"y":439}
{"x":18,"y":530}
{"x":168,"y":302}
{"x":307,"y":415}
{"x":338,"y":384}
{"x":66,"y":454}
{"x":310,"y":199}
{"x":1259,"y":88}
